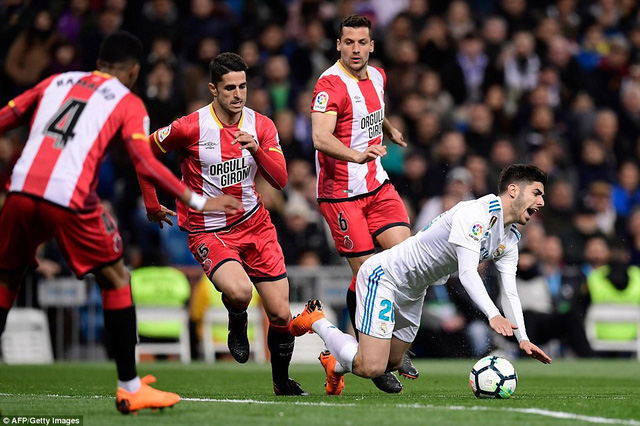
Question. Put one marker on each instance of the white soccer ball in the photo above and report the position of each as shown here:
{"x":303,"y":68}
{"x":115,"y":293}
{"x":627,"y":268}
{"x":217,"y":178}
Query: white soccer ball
{"x":493,"y":377}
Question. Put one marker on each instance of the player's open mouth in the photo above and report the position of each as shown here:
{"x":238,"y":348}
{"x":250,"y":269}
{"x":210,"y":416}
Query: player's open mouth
{"x":531,"y":211}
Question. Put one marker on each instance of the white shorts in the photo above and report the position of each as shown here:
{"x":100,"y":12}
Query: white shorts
{"x":383,"y":309}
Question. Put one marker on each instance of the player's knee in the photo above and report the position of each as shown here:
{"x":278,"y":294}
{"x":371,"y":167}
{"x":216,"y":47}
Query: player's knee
{"x":239,"y":295}
{"x":280,"y":317}
{"x":368,"y":370}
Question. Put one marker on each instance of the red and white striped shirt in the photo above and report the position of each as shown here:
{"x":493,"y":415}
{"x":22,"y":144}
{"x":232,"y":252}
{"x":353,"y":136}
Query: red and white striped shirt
{"x":359,"y":107}
{"x":212,"y":166}
{"x":76,"y":115}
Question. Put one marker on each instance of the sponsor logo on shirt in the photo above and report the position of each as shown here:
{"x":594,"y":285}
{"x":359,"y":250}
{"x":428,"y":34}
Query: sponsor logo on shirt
{"x":372,"y":123}
{"x":321,"y":102}
{"x":232,"y":171}
{"x":476,"y":231}
{"x":163,"y":133}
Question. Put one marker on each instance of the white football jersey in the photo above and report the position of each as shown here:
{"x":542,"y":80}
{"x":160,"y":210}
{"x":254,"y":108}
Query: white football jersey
{"x":429,"y":257}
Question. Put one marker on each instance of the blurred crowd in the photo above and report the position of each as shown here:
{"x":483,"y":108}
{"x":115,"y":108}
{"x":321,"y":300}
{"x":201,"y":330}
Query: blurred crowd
{"x":474,"y":85}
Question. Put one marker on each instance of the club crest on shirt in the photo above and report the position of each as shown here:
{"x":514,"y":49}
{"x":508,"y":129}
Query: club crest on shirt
{"x":321,"y":102}
{"x":163,"y":133}
{"x":499,"y":251}
{"x":348,"y":243}
{"x":476,"y":231}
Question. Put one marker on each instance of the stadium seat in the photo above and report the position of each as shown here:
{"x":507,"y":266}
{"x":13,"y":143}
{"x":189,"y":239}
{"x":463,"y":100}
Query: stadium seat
{"x":214,"y":327}
{"x":160,"y":295}
{"x":26,"y":337}
{"x":600,"y":316}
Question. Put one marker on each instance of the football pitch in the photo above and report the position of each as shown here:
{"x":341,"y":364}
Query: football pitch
{"x":563,"y":393}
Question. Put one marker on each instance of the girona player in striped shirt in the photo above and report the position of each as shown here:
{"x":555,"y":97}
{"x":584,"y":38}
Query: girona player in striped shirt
{"x":222,"y":146}
{"x":355,"y":196}
{"x":74,"y":117}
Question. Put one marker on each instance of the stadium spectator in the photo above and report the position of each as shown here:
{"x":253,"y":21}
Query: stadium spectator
{"x":223,"y":145}
{"x":354,"y":193}
{"x":626,"y":190}
{"x":53,"y":194}
{"x":551,"y":294}
{"x":599,"y":199}
{"x":30,"y":54}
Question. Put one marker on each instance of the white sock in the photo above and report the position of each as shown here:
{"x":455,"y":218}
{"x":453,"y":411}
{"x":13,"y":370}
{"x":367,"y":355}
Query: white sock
{"x":344,"y":347}
{"x":130,"y":386}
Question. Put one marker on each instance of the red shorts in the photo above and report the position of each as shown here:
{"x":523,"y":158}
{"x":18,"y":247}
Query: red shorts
{"x":87,"y":240}
{"x":355,"y":224}
{"x":253,"y":243}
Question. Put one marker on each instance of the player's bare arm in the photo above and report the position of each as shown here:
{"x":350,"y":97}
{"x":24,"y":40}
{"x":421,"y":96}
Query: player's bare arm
{"x":392,"y":133}
{"x":323,"y":126}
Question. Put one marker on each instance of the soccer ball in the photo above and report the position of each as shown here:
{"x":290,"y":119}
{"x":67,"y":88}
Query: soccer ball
{"x":493,"y":377}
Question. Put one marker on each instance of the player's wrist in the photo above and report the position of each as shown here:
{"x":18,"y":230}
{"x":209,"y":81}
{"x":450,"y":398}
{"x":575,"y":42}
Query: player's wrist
{"x":197,"y":202}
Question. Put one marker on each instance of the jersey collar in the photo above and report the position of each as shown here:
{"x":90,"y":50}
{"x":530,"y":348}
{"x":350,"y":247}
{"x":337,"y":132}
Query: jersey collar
{"x":349,"y":74}
{"x":219,"y":123}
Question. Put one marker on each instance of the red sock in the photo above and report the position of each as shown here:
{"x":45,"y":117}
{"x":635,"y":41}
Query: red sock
{"x":117,"y":298}
{"x":7,"y":297}
{"x":352,"y":286}
{"x":280,"y":328}
{"x":235,"y":309}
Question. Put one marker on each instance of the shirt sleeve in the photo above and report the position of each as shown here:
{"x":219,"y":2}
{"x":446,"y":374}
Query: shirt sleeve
{"x":18,"y":109}
{"x":135,"y":129}
{"x":467,"y":229}
{"x":509,"y":299}
{"x":470,"y":279}
{"x":163,"y":140}
{"x":328,"y":95}
{"x":269,"y":156}
{"x":171,"y":137}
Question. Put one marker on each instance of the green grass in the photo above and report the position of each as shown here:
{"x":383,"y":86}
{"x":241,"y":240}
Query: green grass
{"x":563,"y":393}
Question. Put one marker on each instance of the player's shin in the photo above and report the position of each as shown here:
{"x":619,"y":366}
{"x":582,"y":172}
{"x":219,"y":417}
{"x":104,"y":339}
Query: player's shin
{"x":120,"y":324}
{"x":343,"y":346}
{"x":7,"y":297}
{"x":280,"y":342}
{"x":351,"y":304}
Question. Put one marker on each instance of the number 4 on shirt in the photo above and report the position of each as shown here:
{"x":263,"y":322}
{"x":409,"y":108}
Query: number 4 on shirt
{"x":61,"y":126}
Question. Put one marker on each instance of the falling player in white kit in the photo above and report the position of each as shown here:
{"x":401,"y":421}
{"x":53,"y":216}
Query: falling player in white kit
{"x":391,"y":285}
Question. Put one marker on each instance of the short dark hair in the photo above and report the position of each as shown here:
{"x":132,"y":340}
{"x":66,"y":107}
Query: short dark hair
{"x":225,"y":63}
{"x":520,"y":174}
{"x":355,"y":21}
{"x":119,"y":47}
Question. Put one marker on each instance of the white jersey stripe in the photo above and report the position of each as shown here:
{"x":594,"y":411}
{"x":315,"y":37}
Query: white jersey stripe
{"x":62,"y":183}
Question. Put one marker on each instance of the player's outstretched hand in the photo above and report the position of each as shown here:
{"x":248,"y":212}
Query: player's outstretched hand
{"x":502,"y":325}
{"x":371,"y":153}
{"x":396,"y":137}
{"x":161,"y":216}
{"x":534,"y":352}
{"x":222,"y":203}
